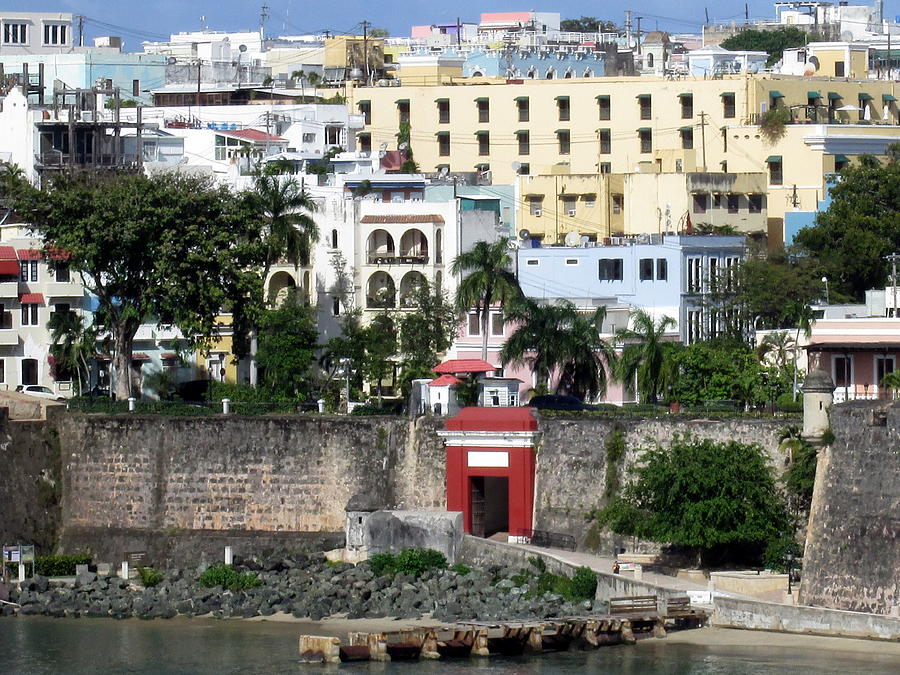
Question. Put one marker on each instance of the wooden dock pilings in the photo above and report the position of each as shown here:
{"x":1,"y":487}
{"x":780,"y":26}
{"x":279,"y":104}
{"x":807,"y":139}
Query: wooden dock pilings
{"x":629,"y":619}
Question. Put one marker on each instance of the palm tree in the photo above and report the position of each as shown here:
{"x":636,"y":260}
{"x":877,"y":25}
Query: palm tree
{"x":646,"y":355}
{"x":488,"y":281}
{"x":72,"y":344}
{"x":780,"y":345}
{"x":560,"y":338}
{"x":290,"y":230}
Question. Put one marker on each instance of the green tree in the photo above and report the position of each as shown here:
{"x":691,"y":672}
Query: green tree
{"x":719,"y":498}
{"x":287,"y":346}
{"x":289,"y":231}
{"x":777,"y":347}
{"x":72,"y":345}
{"x":859,"y":228}
{"x":171,"y":248}
{"x":426,"y":332}
{"x":381,"y":348}
{"x":486,"y":281}
{"x":588,"y":24}
{"x":774,"y":42}
{"x":558,"y":338}
{"x":646,"y":356}
{"x":715,"y":370}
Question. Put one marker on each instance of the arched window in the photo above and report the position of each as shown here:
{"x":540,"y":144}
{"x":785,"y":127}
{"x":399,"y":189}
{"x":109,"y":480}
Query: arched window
{"x":334,"y":241}
{"x":649,"y":60}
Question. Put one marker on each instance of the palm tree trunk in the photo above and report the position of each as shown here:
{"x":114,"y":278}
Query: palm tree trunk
{"x":485,"y":316}
{"x":796,"y":342}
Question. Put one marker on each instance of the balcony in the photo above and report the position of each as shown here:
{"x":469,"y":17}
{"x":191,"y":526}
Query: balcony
{"x":375,"y":258}
{"x":9,"y":289}
{"x":63,"y":289}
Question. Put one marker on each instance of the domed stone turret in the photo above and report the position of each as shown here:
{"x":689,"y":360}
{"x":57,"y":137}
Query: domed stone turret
{"x":818,"y":397}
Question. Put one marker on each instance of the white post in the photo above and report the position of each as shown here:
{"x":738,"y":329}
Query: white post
{"x":226,"y":406}
{"x":321,"y":403}
{"x":131,"y":403}
{"x":638,"y":572}
{"x":21,"y":571}
{"x":124,"y":571}
{"x":229,"y":556}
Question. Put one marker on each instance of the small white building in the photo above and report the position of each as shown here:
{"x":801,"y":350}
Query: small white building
{"x":712,"y":61}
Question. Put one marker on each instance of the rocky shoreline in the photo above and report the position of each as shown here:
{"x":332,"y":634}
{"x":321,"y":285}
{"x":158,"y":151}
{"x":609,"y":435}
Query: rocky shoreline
{"x":304,"y":586}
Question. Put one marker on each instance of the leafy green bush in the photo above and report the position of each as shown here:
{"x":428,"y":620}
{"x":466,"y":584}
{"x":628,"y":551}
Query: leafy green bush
{"x":227,"y":577}
{"x":538,"y":563}
{"x":584,"y":584}
{"x":149,"y":576}
{"x":460,"y":569}
{"x":375,"y":409}
{"x":786,"y":403}
{"x":59,"y":565}
{"x":411,"y":561}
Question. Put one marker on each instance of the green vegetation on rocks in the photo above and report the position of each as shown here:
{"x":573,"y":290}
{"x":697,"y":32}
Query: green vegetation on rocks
{"x":227,"y":577}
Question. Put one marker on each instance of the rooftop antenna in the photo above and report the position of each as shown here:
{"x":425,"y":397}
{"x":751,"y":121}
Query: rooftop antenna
{"x":263,"y":17}
{"x":202,"y":22}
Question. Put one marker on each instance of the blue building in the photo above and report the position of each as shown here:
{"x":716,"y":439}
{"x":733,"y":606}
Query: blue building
{"x":537,"y":63}
{"x":664,"y":275}
{"x":794,"y":221}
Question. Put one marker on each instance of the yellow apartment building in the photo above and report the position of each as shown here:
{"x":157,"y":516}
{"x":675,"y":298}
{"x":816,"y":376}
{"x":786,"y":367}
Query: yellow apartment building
{"x":636,"y":125}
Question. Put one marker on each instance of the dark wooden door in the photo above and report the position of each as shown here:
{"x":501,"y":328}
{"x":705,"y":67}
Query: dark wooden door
{"x":476,"y":487}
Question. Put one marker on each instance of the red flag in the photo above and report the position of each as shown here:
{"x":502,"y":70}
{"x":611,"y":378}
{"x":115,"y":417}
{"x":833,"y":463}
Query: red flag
{"x":690,"y":228}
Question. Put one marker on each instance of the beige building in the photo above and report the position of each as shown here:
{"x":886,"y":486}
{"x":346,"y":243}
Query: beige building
{"x":633,"y":125}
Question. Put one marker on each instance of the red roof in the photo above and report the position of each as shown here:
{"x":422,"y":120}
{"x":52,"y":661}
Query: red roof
{"x":493,"y":419}
{"x":392,"y":160}
{"x":252,"y":135}
{"x":31,"y":298}
{"x":30,"y":254}
{"x":8,"y":253}
{"x":139,"y":356}
{"x":9,"y":263}
{"x":464,"y":366}
{"x":444,"y":381}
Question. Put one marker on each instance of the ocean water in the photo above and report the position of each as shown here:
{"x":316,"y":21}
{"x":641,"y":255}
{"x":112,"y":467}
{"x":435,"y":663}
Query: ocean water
{"x":43,"y":645}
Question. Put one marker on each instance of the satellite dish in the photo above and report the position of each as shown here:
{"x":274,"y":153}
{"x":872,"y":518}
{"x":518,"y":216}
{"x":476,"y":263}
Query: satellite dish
{"x":815,"y":61}
{"x":585,"y":240}
{"x":572,"y":239}
{"x":524,"y":234}
{"x":242,"y":48}
{"x":171,"y":60}
{"x":516,"y":166}
{"x":383,"y":146}
{"x":753,"y":68}
{"x":356,"y":74}
{"x":403,"y":146}
{"x":444,"y":170}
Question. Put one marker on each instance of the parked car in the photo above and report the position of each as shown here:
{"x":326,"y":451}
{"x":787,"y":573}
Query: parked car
{"x":40,"y":391}
{"x":559,"y":402}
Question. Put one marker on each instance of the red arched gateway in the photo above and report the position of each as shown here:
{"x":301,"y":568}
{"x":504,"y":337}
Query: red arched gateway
{"x":490,"y":469}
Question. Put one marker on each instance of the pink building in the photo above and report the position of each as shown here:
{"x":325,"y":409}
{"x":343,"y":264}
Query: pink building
{"x":857,"y":353}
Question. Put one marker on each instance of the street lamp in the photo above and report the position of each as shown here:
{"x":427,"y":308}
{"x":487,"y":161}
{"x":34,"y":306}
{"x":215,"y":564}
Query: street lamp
{"x":790,"y":561}
{"x":825,"y":281}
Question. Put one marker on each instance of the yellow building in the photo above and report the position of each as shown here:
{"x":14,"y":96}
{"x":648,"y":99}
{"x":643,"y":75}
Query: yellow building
{"x":635,"y":124}
{"x":355,"y":51}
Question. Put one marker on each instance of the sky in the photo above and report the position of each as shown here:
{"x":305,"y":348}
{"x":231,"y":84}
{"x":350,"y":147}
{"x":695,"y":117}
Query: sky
{"x":156,"y":19}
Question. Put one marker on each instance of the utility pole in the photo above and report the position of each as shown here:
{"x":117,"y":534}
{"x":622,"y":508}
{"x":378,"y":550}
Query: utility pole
{"x":459,"y":33}
{"x":263,"y":17}
{"x":893,"y":258}
{"x":628,"y":27}
{"x":703,"y":137}
{"x":81,"y":32}
{"x":365,"y":27}
{"x":746,"y":13}
{"x":638,"y":19}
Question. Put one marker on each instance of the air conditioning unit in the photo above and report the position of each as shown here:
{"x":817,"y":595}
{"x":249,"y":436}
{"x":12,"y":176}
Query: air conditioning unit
{"x":537,"y":213}
{"x":570,"y":213}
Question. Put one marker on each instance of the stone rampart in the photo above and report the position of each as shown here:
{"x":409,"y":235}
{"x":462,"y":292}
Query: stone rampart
{"x":852,"y":556}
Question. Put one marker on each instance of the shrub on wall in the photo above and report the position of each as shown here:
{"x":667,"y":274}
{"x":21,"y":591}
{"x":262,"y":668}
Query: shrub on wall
{"x":411,"y":561}
{"x":227,"y":577}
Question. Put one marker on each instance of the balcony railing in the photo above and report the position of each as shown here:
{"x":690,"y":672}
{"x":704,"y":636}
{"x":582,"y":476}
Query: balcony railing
{"x":380,"y":259}
{"x":60,"y":159}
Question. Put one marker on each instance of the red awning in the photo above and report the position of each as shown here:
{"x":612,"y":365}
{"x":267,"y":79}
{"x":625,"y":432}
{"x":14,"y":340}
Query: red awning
{"x":32,"y":298}
{"x":139,"y":356}
{"x":168,"y":355}
{"x":464,"y":366}
{"x":30,"y":254}
{"x":393,"y":160}
{"x":9,"y":261}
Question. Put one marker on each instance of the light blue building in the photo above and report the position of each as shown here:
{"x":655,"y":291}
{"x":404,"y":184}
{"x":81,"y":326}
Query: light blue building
{"x":500,"y":199}
{"x":665,"y":275}
{"x":537,"y":63}
{"x":133,"y":74}
{"x":794,"y":221}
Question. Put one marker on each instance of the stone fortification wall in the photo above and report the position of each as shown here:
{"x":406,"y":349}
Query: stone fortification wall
{"x":152,"y":478}
{"x":572,"y":462}
{"x":852,"y":555}
{"x":30,"y":484}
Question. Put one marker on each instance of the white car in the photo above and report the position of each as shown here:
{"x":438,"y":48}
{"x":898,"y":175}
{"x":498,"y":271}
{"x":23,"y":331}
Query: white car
{"x":40,"y":391}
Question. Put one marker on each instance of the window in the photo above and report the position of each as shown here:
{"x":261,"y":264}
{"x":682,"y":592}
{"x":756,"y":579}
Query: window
{"x":443,"y":106}
{"x":307,"y":138}
{"x":564,"y":139}
{"x":646,"y":269}
{"x":646,"y":139}
{"x":365,"y":142}
{"x":523,"y":108}
{"x":61,"y":273}
{"x":694,"y":325}
{"x":524,"y":144}
{"x":535,"y":205}
{"x":533,"y":262}
{"x":611,"y":269}
{"x":569,"y":204}
{"x":336,"y":306}
{"x":731,"y":266}
{"x":5,"y":318}
{"x":403,"y":110}
{"x":604,"y":107}
{"x":135,"y":87}
{"x":562,"y":105}
{"x":55,"y":34}
{"x":618,"y":202}
{"x":497,"y":323}
{"x":755,"y":203}
{"x":645,"y":103}
{"x":605,"y":167}
{"x":590,"y":200}
{"x":365,"y":109}
{"x":839,"y":69}
{"x":474,"y":325}
{"x":687,"y":138}
{"x":662,"y":269}
{"x":605,"y":141}
{"x":28,"y":270}
{"x":334,"y":238}
{"x":332,"y":135}
{"x":700,"y":203}
{"x":571,"y":262}
{"x":733,"y":203}
{"x":2,"y":370}
{"x":484,"y":110}
{"x":524,"y":169}
{"x":843,"y":371}
{"x":728,"y":107}
{"x":884,"y":365}
{"x":776,"y":173}
{"x":687,"y":106}
{"x":694,"y":275}
{"x":30,"y":314}
{"x":484,"y":143}
{"x":15,"y":33}
{"x":444,"y":144}
{"x":713,"y":277}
